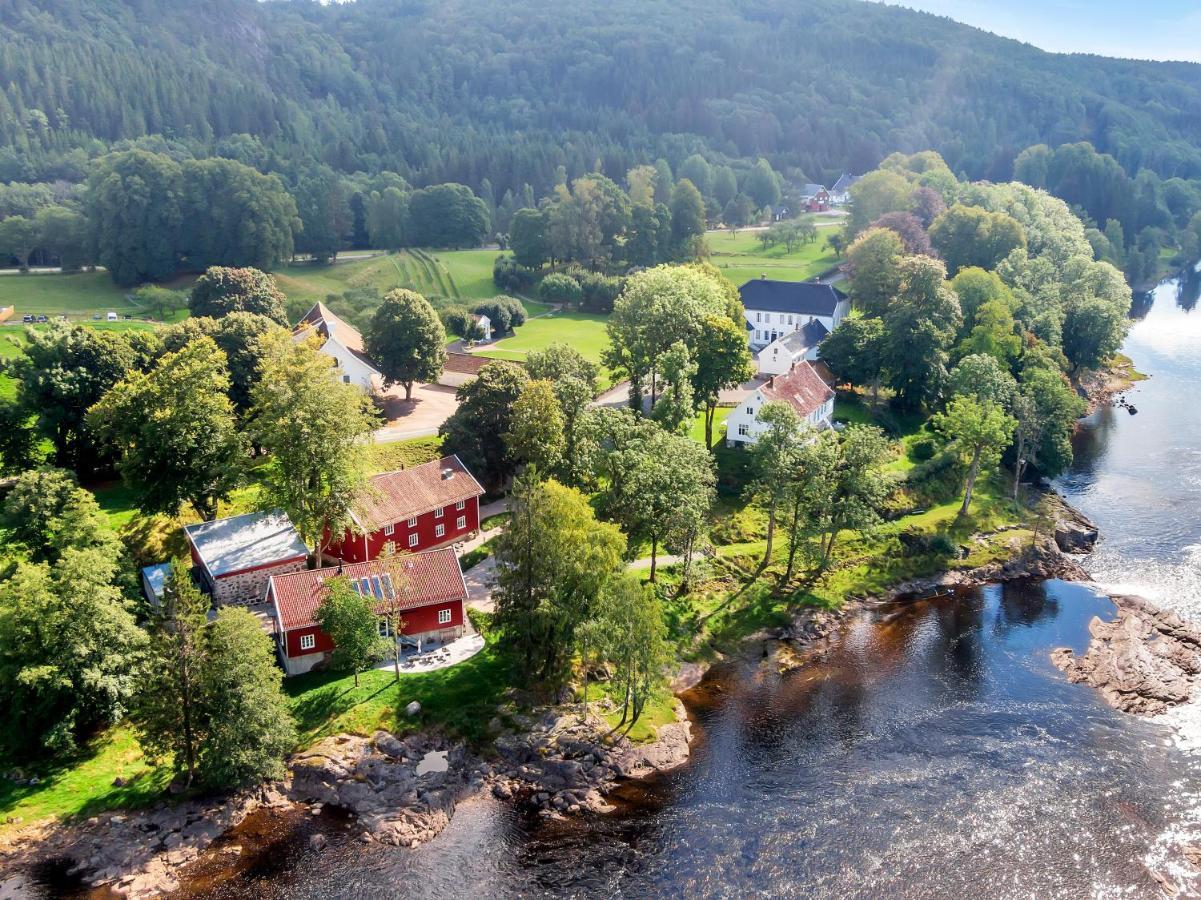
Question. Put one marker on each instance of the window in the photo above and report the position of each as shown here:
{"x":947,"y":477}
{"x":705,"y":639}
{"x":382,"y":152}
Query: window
{"x":438,"y":513}
{"x":389,"y":548}
{"x":444,"y":617}
{"x":750,"y":410}
{"x":440,"y":531}
{"x":790,"y":320}
{"x":744,"y":429}
{"x":461,"y":523}
{"x":460,"y":504}
{"x":767,"y":319}
{"x":758,"y":317}
{"x":346,"y":379}
{"x":385,"y":629}
{"x":412,"y":521}
{"x":412,"y":540}
{"x":308,"y":641}
{"x":389,"y":529}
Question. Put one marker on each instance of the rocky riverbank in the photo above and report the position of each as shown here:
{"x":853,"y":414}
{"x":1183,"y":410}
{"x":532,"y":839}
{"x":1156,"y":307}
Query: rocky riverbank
{"x":1144,"y":661}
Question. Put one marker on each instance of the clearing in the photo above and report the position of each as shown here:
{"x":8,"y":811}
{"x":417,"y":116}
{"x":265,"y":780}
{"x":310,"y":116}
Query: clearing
{"x":742,"y":256}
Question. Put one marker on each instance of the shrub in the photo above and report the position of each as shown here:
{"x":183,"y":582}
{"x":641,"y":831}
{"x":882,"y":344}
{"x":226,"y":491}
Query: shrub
{"x":459,"y":320}
{"x":560,"y":288}
{"x":509,"y":275}
{"x":599,"y":291}
{"x":505,"y":313}
{"x":923,"y":449}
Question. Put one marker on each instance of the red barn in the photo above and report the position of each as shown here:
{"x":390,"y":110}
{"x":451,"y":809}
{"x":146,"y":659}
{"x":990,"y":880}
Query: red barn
{"x":412,"y":510}
{"x":427,"y":588}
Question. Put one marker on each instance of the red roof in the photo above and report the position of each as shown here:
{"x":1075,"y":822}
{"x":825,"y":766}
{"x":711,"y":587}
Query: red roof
{"x":396,"y":496}
{"x":418,"y":579}
{"x":465,"y":363}
{"x":802,"y":388}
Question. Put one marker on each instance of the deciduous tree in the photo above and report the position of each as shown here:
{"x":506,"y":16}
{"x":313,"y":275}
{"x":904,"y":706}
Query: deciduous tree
{"x":406,"y":340}
{"x":978,"y":432}
{"x":349,"y":619}
{"x":484,"y":416}
{"x":220,"y":291}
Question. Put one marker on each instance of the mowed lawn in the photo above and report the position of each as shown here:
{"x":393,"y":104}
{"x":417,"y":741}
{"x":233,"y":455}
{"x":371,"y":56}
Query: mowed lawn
{"x":583,"y":331}
{"x":459,"y":275}
{"x":77,"y":296}
{"x":742,"y":257}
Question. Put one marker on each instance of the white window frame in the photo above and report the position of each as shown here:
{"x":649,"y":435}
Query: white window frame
{"x":440,"y":531}
{"x":750,"y":410}
{"x":413,"y":539}
{"x":460,"y":523}
{"x":389,"y":547}
{"x":389,"y":530}
{"x":744,"y":430}
{"x":439,"y":512}
{"x":462,"y":504}
{"x":412,"y":521}
{"x":444,"y":616}
{"x":758,"y":317}
{"x":308,"y":642}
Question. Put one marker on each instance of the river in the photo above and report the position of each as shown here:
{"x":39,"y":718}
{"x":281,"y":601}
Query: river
{"x":935,"y":752}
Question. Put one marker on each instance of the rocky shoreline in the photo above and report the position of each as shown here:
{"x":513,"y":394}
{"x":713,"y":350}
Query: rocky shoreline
{"x":403,"y":791}
{"x":1145,"y":661}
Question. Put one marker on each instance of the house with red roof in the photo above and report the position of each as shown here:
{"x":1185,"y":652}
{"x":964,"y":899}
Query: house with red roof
{"x":427,"y":589}
{"x":340,"y":341}
{"x":234,"y":557}
{"x":411,"y":510}
{"x":801,"y":388}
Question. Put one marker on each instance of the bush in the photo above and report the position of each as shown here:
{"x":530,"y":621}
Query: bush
{"x":459,"y":320}
{"x":505,"y":313}
{"x":509,"y":275}
{"x":559,"y":288}
{"x":599,"y":291}
{"x":923,"y":449}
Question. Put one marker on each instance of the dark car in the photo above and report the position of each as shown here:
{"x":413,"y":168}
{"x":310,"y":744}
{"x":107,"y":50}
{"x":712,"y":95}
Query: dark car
{"x":43,"y":319}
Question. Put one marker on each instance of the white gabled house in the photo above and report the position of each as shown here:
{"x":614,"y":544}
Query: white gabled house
{"x":484,"y":324}
{"x":801,"y":388}
{"x":775,"y":309}
{"x":840,"y":194}
{"x":782,"y":354}
{"x":342,"y":342}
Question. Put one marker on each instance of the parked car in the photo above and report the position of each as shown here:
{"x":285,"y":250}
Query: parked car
{"x":112,"y":317}
{"x":95,"y":317}
{"x":27,"y":319}
{"x":43,"y":319}
{"x":127,"y":318}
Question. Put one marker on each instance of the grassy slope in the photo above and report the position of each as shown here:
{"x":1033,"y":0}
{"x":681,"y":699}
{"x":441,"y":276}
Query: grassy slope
{"x":741,"y":257}
{"x":584,"y":331}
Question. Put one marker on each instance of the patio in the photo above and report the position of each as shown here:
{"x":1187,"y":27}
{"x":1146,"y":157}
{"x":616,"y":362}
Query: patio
{"x":441,"y":657}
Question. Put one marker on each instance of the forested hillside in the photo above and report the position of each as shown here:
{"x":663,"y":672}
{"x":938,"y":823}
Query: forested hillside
{"x":463,"y":90}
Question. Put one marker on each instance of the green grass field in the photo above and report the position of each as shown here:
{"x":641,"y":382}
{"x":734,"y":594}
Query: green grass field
{"x":463,"y":275}
{"x":77,"y":296}
{"x":583,"y":331}
{"x":741,"y":257}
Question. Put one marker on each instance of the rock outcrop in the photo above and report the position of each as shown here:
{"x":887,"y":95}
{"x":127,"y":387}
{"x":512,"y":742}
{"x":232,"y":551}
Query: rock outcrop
{"x":377,"y":779}
{"x":139,"y":855}
{"x":564,"y":765}
{"x":1145,"y":661}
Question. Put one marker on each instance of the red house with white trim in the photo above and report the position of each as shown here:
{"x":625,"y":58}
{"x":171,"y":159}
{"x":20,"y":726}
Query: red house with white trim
{"x":427,"y":588}
{"x":412,"y":510}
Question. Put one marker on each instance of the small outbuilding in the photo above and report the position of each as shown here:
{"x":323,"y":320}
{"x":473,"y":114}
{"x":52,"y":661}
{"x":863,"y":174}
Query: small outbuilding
{"x":235,"y":557}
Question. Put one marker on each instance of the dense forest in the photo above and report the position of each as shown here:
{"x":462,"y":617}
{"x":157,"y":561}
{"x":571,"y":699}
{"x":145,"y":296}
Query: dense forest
{"x":468,"y":90}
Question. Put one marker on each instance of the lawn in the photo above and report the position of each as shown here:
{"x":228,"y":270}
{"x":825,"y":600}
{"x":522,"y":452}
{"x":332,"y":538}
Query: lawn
{"x":79,"y":295}
{"x":458,"y":275}
{"x":583,"y":331}
{"x":742,"y":257}
{"x":696,"y":430}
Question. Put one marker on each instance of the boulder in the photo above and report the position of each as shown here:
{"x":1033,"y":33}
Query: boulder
{"x":413,"y":709}
{"x":1075,"y":537}
{"x":318,"y":841}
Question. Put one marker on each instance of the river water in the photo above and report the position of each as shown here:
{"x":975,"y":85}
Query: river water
{"x":934,"y":752}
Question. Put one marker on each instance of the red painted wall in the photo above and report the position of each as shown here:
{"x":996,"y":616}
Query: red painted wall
{"x":350,"y":549}
{"x":416,"y":621}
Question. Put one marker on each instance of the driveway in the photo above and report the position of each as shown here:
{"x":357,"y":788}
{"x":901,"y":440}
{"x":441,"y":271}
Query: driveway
{"x":432,"y":404}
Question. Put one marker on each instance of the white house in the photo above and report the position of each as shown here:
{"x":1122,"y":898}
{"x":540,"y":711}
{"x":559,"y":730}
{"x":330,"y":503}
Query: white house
{"x":782,"y":354}
{"x":777,"y":308}
{"x":802,"y":388}
{"x":340,"y":341}
{"x":484,"y":324}
{"x":840,"y":194}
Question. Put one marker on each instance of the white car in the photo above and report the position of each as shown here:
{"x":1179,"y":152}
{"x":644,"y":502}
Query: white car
{"x":112,"y":317}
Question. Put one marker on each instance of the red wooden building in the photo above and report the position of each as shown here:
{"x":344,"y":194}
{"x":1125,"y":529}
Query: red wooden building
{"x":412,"y":510}
{"x":427,"y":588}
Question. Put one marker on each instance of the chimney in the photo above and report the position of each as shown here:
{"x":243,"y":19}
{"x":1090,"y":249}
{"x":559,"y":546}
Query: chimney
{"x":448,"y":474}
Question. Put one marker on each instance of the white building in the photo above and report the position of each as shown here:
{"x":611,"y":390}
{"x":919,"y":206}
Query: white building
{"x":801,"y":388}
{"x":782,"y":354}
{"x":778,"y":308}
{"x":342,"y":342}
{"x":484,"y":324}
{"x":840,"y":194}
